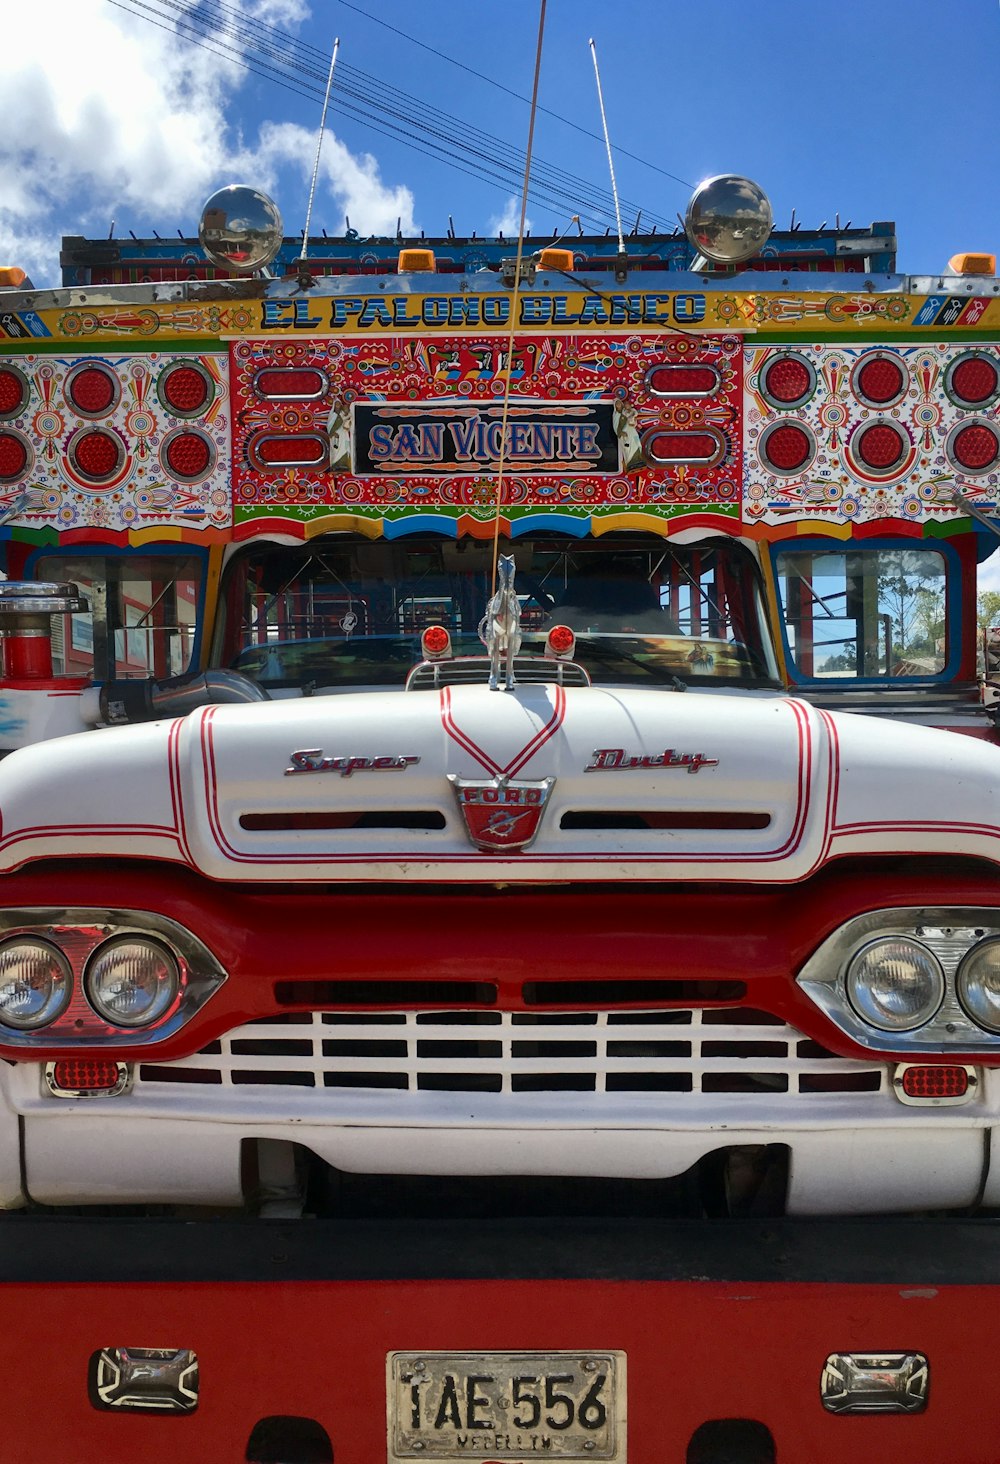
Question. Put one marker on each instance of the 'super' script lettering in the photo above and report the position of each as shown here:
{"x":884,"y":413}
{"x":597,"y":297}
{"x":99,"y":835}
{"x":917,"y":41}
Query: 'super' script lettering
{"x":312,"y":760}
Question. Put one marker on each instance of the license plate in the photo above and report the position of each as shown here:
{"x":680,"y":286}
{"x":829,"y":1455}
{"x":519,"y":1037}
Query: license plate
{"x":506,"y":1405}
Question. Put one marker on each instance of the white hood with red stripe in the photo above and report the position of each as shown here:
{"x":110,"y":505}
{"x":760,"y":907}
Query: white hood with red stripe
{"x":542,"y":783}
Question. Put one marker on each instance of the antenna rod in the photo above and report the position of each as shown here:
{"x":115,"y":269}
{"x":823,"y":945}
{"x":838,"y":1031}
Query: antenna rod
{"x":607,"y":144}
{"x":319,"y":147}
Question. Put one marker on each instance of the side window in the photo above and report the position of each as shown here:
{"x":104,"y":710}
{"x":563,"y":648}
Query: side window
{"x":864,"y":614}
{"x":142,"y":615}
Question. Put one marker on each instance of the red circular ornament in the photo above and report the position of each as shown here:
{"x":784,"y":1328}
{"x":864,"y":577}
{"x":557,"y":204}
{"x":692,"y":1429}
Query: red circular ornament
{"x":92,"y":390}
{"x":787,"y":447}
{"x":561,"y":640}
{"x":13,"y":392}
{"x":975,"y":447}
{"x":880,"y":447}
{"x":787,"y":381}
{"x":185,"y":389}
{"x":97,"y":455}
{"x":13,"y":456}
{"x":880,"y":380}
{"x":188,"y":455}
{"x":435,"y":640}
{"x":975,"y":380}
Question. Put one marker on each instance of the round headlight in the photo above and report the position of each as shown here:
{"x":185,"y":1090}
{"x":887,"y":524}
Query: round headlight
{"x":131,"y":981}
{"x":895,"y":983}
{"x":978,"y":984}
{"x":35,"y":983}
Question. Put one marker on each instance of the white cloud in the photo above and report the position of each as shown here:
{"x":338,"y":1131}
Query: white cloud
{"x":508,"y":222}
{"x":281,"y":13}
{"x":988,"y":577}
{"x":106,"y":115}
{"x":351,"y":181}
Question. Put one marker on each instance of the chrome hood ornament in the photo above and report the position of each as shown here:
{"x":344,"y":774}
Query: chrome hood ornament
{"x":500,"y":627}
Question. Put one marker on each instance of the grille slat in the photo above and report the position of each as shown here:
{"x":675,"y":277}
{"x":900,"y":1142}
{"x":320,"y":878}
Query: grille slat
{"x":689,"y":1052}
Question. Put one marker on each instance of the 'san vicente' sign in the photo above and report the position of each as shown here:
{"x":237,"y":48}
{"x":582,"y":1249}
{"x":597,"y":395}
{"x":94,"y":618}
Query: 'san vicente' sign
{"x":564,"y":437}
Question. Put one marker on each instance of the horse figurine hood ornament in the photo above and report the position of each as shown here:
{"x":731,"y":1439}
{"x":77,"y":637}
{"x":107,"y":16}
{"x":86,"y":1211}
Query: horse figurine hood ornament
{"x":500,"y":627}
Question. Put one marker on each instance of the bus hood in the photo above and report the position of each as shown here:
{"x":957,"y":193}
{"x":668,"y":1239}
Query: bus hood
{"x":541,"y":783}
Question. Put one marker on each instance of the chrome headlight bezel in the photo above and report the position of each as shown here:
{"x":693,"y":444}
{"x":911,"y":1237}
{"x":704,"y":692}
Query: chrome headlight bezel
{"x":60,"y":990}
{"x":163,"y":998}
{"x":860,"y":992}
{"x":950,"y":933}
{"x":78,"y":932}
{"x":963,"y":981}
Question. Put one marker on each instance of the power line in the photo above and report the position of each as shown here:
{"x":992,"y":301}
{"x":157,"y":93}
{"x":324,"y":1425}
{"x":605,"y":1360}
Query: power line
{"x":299,"y":67}
{"x":576,"y":193}
{"x":436,"y":152}
{"x":492,"y":81}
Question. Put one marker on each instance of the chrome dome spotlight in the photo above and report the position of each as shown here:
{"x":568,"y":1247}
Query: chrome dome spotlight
{"x":728,"y":219}
{"x":240,"y":229}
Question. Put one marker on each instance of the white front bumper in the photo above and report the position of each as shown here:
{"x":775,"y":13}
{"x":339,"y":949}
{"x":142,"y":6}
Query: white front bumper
{"x":851,"y":1154}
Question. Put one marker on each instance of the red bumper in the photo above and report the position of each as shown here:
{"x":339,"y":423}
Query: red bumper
{"x":697,"y":1349}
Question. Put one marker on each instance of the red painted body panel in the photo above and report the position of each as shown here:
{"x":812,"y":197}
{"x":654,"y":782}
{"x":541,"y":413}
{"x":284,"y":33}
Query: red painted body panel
{"x":696,"y":1351}
{"x":985,"y":733}
{"x":754,"y":933}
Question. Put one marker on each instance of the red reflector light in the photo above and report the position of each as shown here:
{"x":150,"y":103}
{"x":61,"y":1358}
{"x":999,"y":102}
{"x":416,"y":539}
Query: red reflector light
{"x":290,"y":383}
{"x":96,"y":455}
{"x":435,"y":642}
{"x":934,"y":1082}
{"x":188,"y":455}
{"x":13,"y":392}
{"x":85,"y":1074}
{"x":92,"y":390}
{"x":974,"y":380}
{"x":879,"y":380}
{"x":290,"y":451}
{"x":786,"y":447}
{"x":561,"y":641}
{"x":880,"y":447}
{"x":13,"y":456}
{"x":186,"y":389}
{"x":670,"y":380}
{"x":975,"y":447}
{"x":683,"y":447}
{"x":788,"y":381}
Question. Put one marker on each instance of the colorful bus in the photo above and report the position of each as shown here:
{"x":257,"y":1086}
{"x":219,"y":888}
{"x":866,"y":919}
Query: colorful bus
{"x":499,"y":936}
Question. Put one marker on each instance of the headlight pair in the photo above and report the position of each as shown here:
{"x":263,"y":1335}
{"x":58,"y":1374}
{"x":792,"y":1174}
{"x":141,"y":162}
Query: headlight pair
{"x":896,"y":983}
{"x":130,"y":981}
{"x":76,"y":977}
{"x":912,"y":980}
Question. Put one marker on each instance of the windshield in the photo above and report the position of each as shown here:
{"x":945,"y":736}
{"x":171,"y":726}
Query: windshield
{"x":342,"y":612}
